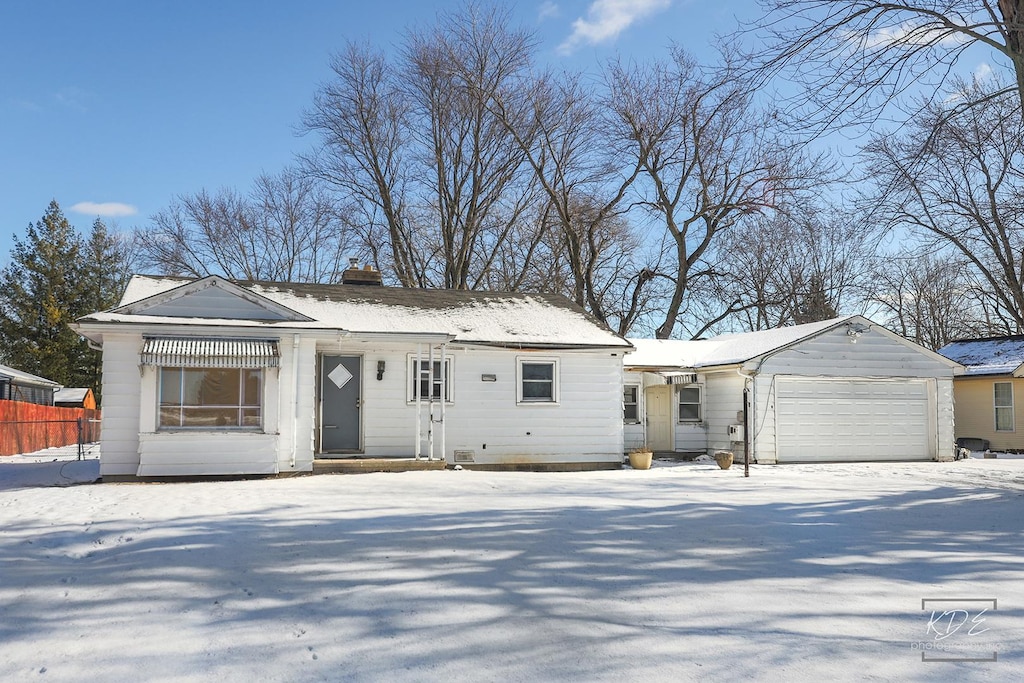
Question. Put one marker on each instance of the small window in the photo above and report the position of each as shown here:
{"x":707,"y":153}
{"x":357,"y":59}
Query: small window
{"x":538,"y":380}
{"x":430,"y":384}
{"x":1003,"y":397}
{"x":630,"y":404}
{"x":211,"y":398}
{"x":689,"y":404}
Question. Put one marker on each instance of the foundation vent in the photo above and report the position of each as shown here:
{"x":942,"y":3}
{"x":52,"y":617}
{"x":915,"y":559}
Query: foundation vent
{"x":464,"y":456}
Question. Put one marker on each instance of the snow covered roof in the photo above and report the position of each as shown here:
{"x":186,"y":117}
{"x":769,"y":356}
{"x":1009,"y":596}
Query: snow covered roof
{"x":463,"y":316}
{"x":71,"y":395}
{"x":25,"y":378}
{"x":992,"y":356}
{"x":727,"y":349}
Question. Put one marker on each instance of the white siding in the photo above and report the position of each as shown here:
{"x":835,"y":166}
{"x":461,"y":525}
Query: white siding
{"x":483,"y":417}
{"x":195,"y":452}
{"x":762,"y":440}
{"x":723,"y":403}
{"x":213,"y":302}
{"x":297,"y":405}
{"x":944,"y":419}
{"x":585,"y":426}
{"x":874,"y":355}
{"x":165,"y":454}
{"x":121,"y":391}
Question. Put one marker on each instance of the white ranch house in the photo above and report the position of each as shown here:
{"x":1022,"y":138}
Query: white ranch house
{"x":213,"y":377}
{"x":844,"y":389}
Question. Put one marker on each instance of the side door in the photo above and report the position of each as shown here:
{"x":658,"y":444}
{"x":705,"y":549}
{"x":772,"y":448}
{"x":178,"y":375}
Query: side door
{"x":340,"y":402}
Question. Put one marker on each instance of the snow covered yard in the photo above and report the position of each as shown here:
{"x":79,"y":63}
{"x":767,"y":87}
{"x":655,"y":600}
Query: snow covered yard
{"x":683,"y":572}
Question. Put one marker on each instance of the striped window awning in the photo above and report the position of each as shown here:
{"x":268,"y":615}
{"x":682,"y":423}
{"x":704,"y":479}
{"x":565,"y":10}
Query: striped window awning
{"x":191,"y":352}
{"x":674,"y":377}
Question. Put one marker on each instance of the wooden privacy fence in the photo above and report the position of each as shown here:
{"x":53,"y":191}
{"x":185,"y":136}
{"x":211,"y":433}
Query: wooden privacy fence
{"x":27,"y":427}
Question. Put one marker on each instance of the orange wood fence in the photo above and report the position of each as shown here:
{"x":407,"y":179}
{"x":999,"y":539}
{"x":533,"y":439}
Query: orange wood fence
{"x":27,"y":427}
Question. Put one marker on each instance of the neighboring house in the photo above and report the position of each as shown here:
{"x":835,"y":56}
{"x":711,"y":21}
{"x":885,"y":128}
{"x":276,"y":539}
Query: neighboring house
{"x":844,"y":389}
{"x":989,"y":396}
{"x":210,"y":377}
{"x":16,"y":385}
{"x":78,"y":397}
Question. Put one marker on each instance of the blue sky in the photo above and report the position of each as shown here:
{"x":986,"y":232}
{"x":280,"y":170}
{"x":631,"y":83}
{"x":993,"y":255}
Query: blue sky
{"x":113,"y":107}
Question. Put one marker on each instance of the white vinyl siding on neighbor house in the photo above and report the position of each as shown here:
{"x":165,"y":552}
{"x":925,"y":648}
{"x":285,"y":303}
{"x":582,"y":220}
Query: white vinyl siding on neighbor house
{"x":1002,"y":398}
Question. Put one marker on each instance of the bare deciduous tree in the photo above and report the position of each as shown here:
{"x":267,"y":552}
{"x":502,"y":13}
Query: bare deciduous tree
{"x":708,"y":161}
{"x":854,"y":58}
{"x":957,"y":182}
{"x":800,"y":266}
{"x":929,"y":298}
{"x":591,"y":254}
{"x":286,"y":229}
{"x":362,"y":119}
{"x":418,"y":153}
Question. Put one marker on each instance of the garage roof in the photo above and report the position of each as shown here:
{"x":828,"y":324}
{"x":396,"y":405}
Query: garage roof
{"x":727,"y":349}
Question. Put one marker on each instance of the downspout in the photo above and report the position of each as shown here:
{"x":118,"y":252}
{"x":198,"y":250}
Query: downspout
{"x":418,"y":376}
{"x":444,"y":397}
{"x":295,"y":398}
{"x":430,"y":403}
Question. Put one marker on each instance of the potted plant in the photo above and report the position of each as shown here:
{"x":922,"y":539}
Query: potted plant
{"x":640,"y":457}
{"x":724,"y":459}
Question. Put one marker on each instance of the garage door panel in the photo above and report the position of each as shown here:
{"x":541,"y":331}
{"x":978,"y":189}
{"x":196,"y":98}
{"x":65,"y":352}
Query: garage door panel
{"x":849,"y":420}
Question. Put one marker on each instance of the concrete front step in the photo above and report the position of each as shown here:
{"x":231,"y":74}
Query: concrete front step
{"x":363,"y":465}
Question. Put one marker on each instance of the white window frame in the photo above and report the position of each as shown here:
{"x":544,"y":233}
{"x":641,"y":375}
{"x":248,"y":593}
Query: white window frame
{"x":413,"y":380}
{"x":636,"y":402}
{"x":996,"y":408}
{"x":699,"y":404}
{"x":537,"y":360}
{"x":239,"y":407}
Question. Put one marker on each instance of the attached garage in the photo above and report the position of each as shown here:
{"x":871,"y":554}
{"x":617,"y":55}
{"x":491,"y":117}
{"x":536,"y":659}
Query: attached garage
{"x":839,"y":390}
{"x":848,"y":420}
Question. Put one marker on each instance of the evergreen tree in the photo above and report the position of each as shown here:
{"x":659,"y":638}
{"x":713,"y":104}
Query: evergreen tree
{"x":54,"y":277}
{"x":813,"y":305}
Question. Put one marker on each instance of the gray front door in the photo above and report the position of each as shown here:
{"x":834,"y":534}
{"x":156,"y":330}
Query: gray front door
{"x":339,"y":403}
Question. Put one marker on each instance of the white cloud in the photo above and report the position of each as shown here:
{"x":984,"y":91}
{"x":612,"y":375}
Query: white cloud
{"x":606,"y":19}
{"x":74,"y":97}
{"x":105,"y":209}
{"x":983,"y":72}
{"x":548,"y":10}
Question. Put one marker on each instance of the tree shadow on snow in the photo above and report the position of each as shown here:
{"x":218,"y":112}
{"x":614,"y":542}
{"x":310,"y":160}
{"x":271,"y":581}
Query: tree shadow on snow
{"x":591,"y":591}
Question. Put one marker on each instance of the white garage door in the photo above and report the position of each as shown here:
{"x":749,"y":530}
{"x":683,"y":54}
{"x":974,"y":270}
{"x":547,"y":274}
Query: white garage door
{"x":852,"y":419}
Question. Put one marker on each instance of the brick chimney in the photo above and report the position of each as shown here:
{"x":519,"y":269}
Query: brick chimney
{"x":354,"y":275}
